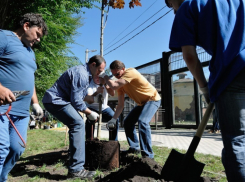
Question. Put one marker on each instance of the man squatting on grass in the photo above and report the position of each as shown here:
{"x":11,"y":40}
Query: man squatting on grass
{"x":64,"y":100}
{"x":17,"y":67}
{"x":218,"y":26}
{"x":135,"y":85}
{"x":94,"y":89}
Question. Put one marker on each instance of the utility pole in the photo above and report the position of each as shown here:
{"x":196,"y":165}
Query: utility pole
{"x":102,"y":29}
{"x":86,"y":54}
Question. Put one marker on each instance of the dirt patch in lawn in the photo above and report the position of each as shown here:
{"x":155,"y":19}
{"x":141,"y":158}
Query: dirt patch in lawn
{"x":52,"y":166}
{"x":136,"y":169}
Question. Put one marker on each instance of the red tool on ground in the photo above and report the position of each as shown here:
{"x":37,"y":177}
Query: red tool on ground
{"x":16,"y":94}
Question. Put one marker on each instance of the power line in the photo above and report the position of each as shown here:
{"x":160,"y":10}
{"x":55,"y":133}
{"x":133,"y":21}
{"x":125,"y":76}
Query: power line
{"x":137,"y":27}
{"x":138,"y":33}
{"x":131,"y":23}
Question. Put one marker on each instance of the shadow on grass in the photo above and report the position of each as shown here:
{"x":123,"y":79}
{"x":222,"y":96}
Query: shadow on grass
{"x":31,"y":165}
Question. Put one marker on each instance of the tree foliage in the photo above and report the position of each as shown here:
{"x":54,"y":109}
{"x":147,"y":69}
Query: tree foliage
{"x":63,"y":19}
{"x":120,"y":3}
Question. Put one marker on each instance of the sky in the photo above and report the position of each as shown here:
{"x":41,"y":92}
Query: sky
{"x":147,"y":46}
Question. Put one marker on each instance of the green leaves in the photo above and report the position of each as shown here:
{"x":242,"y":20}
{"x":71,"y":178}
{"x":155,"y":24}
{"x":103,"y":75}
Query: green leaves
{"x":63,"y":19}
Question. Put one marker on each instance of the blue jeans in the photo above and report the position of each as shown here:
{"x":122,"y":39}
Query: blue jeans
{"x":10,"y":149}
{"x":215,"y":126}
{"x":74,"y":121}
{"x":107,"y":114}
{"x":230,"y":110}
{"x":142,"y":115}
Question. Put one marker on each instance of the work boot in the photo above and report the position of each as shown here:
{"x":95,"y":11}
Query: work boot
{"x":83,"y":174}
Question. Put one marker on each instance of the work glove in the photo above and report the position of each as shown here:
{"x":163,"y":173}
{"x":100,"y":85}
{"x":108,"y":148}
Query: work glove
{"x":112,"y":123}
{"x":102,"y":74}
{"x":97,"y":97}
{"x":205,"y":93}
{"x":37,"y":110}
{"x":93,"y":116}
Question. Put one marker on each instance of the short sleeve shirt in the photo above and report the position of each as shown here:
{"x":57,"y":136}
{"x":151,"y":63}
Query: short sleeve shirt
{"x":138,"y":88}
{"x":17,"y":67}
{"x":218,"y":27}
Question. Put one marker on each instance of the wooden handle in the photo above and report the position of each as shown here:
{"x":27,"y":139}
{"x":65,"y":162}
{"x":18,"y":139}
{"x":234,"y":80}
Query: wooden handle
{"x":204,"y":121}
{"x":100,"y":116}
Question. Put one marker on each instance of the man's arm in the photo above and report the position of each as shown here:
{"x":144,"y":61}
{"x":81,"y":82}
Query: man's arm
{"x":34,"y":99}
{"x":194,"y":65}
{"x":35,"y":105}
{"x":89,"y":98}
{"x":120,"y":106}
{"x":109,"y":90}
{"x":115,"y":84}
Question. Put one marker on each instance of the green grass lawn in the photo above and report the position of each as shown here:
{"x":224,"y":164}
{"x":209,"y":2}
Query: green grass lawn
{"x":33,"y":167}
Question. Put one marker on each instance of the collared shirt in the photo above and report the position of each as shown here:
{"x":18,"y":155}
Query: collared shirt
{"x":70,"y":88}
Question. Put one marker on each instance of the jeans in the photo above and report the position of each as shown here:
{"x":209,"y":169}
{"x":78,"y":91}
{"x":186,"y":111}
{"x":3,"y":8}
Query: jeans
{"x":142,"y":115}
{"x":74,"y":121}
{"x":10,"y":149}
{"x":107,"y":114}
{"x":215,"y":126}
{"x":230,"y":108}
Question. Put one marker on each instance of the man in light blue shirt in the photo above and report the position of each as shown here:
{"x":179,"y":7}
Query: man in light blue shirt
{"x":17,"y":68}
{"x":65,"y":100}
{"x":218,"y":26}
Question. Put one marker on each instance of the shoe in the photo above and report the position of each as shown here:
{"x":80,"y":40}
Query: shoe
{"x":83,"y":174}
{"x":130,"y":151}
{"x":217,"y":131}
{"x":211,"y":131}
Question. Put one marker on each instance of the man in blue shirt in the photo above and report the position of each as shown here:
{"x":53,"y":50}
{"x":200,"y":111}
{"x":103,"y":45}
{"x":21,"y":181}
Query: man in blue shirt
{"x":65,"y":100}
{"x":17,"y":67}
{"x":218,"y":26}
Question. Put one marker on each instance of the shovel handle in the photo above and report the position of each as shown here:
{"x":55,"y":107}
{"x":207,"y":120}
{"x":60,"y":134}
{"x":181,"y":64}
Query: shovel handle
{"x":100,"y":116}
{"x":204,"y":121}
{"x":196,"y":139}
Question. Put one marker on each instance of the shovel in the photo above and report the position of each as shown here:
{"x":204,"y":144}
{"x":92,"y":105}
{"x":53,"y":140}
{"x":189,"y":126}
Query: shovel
{"x":184,"y":167}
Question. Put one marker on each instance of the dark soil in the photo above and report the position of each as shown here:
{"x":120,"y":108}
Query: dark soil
{"x":137,"y":169}
{"x":133,"y":169}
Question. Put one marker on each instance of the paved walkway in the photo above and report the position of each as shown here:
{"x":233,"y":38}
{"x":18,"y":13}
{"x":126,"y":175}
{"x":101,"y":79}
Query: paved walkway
{"x":177,"y":138}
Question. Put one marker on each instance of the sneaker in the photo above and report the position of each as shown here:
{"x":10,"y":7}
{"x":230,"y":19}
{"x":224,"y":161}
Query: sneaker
{"x":211,"y":131}
{"x":217,"y":131}
{"x":83,"y":174}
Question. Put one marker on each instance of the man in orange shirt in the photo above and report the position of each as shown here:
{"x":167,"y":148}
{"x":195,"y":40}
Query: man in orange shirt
{"x":136,"y":86}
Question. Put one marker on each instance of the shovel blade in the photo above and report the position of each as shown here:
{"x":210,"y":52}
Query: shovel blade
{"x":180,"y":167}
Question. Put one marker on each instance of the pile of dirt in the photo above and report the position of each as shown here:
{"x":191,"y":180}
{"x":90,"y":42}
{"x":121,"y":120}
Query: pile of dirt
{"x":137,"y":170}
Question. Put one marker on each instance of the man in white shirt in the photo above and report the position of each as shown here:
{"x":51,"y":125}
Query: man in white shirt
{"x":94,"y":89}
